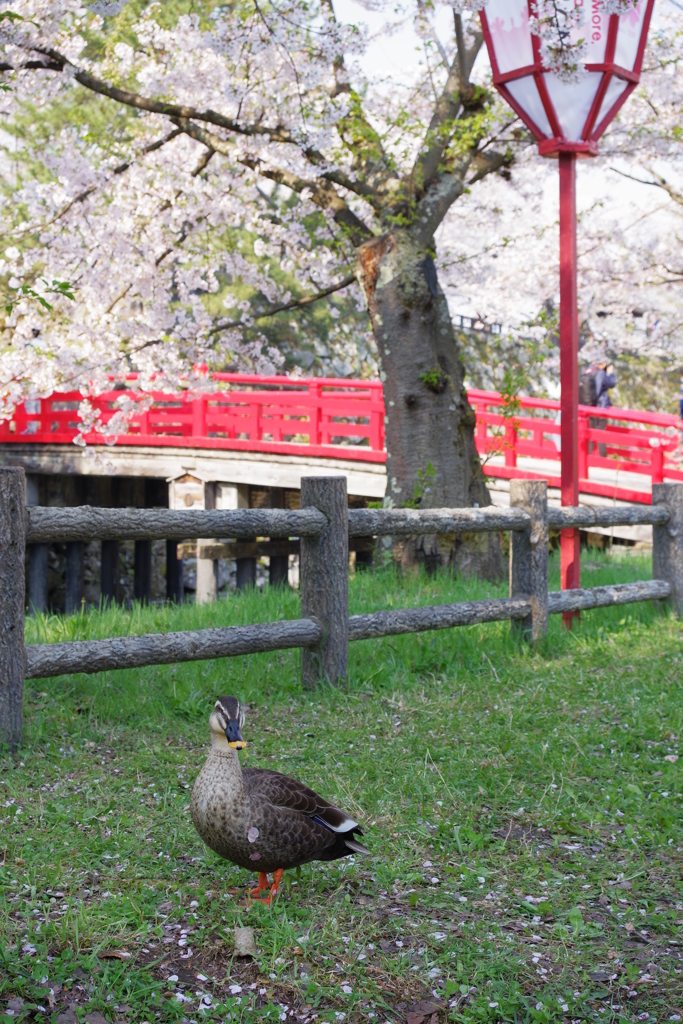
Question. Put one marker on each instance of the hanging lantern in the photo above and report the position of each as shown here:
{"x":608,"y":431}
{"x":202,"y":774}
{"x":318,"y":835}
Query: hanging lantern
{"x":566,"y":116}
{"x":537,"y":49}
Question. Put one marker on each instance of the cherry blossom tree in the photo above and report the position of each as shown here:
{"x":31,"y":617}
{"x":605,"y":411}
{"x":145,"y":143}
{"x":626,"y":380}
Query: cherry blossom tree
{"x":193,"y":171}
{"x":214,"y":120}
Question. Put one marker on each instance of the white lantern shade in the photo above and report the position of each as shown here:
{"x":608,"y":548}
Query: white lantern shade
{"x":566,"y":116}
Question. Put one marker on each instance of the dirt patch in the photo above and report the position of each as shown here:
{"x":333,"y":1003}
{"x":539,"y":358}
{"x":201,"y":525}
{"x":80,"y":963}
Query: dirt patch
{"x":515,"y":833}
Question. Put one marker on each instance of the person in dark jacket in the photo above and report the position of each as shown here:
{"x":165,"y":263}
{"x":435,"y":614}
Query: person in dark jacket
{"x":605,"y":380}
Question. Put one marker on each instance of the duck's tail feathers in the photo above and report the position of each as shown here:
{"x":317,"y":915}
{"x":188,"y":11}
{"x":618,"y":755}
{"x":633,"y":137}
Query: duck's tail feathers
{"x":357,"y":847}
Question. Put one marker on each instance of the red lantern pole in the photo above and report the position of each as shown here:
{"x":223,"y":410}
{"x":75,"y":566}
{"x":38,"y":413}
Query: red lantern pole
{"x":570,"y":565}
{"x":567,"y":120}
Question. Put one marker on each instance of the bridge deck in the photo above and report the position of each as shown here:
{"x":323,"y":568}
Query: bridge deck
{"x":256,"y":469}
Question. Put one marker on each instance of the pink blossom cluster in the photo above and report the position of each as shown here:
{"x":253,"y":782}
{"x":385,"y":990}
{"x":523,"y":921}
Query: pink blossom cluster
{"x":556,"y":23}
{"x":164,"y":238}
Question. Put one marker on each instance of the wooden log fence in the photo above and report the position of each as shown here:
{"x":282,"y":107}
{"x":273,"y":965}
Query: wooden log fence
{"x":168,"y":648}
{"x":324,"y":529}
{"x":87,"y":523}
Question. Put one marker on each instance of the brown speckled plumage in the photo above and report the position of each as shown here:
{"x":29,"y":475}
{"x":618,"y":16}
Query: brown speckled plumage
{"x":260,"y":819}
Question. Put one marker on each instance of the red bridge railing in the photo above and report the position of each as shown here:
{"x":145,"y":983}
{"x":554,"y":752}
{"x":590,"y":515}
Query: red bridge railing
{"x":624,"y":445}
{"x":315,"y":416}
{"x":345,"y":419}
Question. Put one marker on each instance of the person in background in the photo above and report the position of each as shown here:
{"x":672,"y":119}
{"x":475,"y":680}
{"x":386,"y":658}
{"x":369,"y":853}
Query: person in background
{"x":605,"y":380}
{"x":680,"y":398}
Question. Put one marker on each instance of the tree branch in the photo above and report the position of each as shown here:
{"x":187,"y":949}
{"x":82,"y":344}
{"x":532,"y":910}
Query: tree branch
{"x":132,"y":99}
{"x":322,"y":192}
{"x":437,"y":201}
{"x":151,"y":148}
{"x":32,"y":65}
{"x":487,"y":161}
{"x":356,"y":132}
{"x":294,"y":304}
{"x":180,"y":111}
{"x":203,"y":161}
{"x":454,"y":96}
{"x":460,"y":52}
{"x":659,"y":183}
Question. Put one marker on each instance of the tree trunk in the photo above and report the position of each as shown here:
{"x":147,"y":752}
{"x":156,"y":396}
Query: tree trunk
{"x":432,"y":460}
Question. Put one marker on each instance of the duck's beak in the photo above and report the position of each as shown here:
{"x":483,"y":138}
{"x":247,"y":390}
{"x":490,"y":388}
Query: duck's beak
{"x":234,"y":736}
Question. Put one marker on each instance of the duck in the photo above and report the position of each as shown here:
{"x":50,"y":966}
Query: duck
{"x":260,"y":819}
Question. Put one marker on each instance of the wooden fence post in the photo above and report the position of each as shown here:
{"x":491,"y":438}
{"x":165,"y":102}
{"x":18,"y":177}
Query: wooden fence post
{"x":529,"y":557}
{"x":12,"y":656}
{"x":324,"y":575}
{"x":667,"y":542}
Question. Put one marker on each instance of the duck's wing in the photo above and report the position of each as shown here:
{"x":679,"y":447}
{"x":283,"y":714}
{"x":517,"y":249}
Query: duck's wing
{"x":281,"y":791}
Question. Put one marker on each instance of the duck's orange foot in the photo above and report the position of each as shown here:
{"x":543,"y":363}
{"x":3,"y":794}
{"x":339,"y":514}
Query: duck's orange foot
{"x":264,"y":884}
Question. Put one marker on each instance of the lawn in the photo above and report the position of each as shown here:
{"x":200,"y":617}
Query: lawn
{"x":523,"y":809}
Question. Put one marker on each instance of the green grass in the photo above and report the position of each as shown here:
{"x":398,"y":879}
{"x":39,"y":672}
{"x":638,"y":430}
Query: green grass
{"x":523,"y":808}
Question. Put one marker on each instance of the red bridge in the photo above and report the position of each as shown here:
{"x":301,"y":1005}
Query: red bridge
{"x":285,"y":421}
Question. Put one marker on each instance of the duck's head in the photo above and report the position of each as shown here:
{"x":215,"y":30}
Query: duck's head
{"x":226,"y":721}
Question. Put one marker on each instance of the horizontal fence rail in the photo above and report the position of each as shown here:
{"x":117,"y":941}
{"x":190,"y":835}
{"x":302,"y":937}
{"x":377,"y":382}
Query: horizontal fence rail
{"x":90,"y":656}
{"x":167,"y":648}
{"x":324,"y":530}
{"x":601,"y":597}
{"x":87,"y":523}
{"x":408,"y":522}
{"x":444,"y":616}
{"x":588,"y":515}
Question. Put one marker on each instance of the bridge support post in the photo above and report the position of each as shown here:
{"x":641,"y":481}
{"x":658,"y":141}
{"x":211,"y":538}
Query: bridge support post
{"x":365,"y":554}
{"x":279,"y":564}
{"x":207,"y":568}
{"x":36,"y":558}
{"x":667,"y":542}
{"x":237,"y":496}
{"x":109,"y":572}
{"x":142,"y":571}
{"x":245,"y":575}
{"x":207,"y":580}
{"x":37,"y":578}
{"x":324,"y":570}
{"x":245,"y":568}
{"x":175,"y":590}
{"x":12,"y":655}
{"x":529,"y":557}
{"x":75,"y":557}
